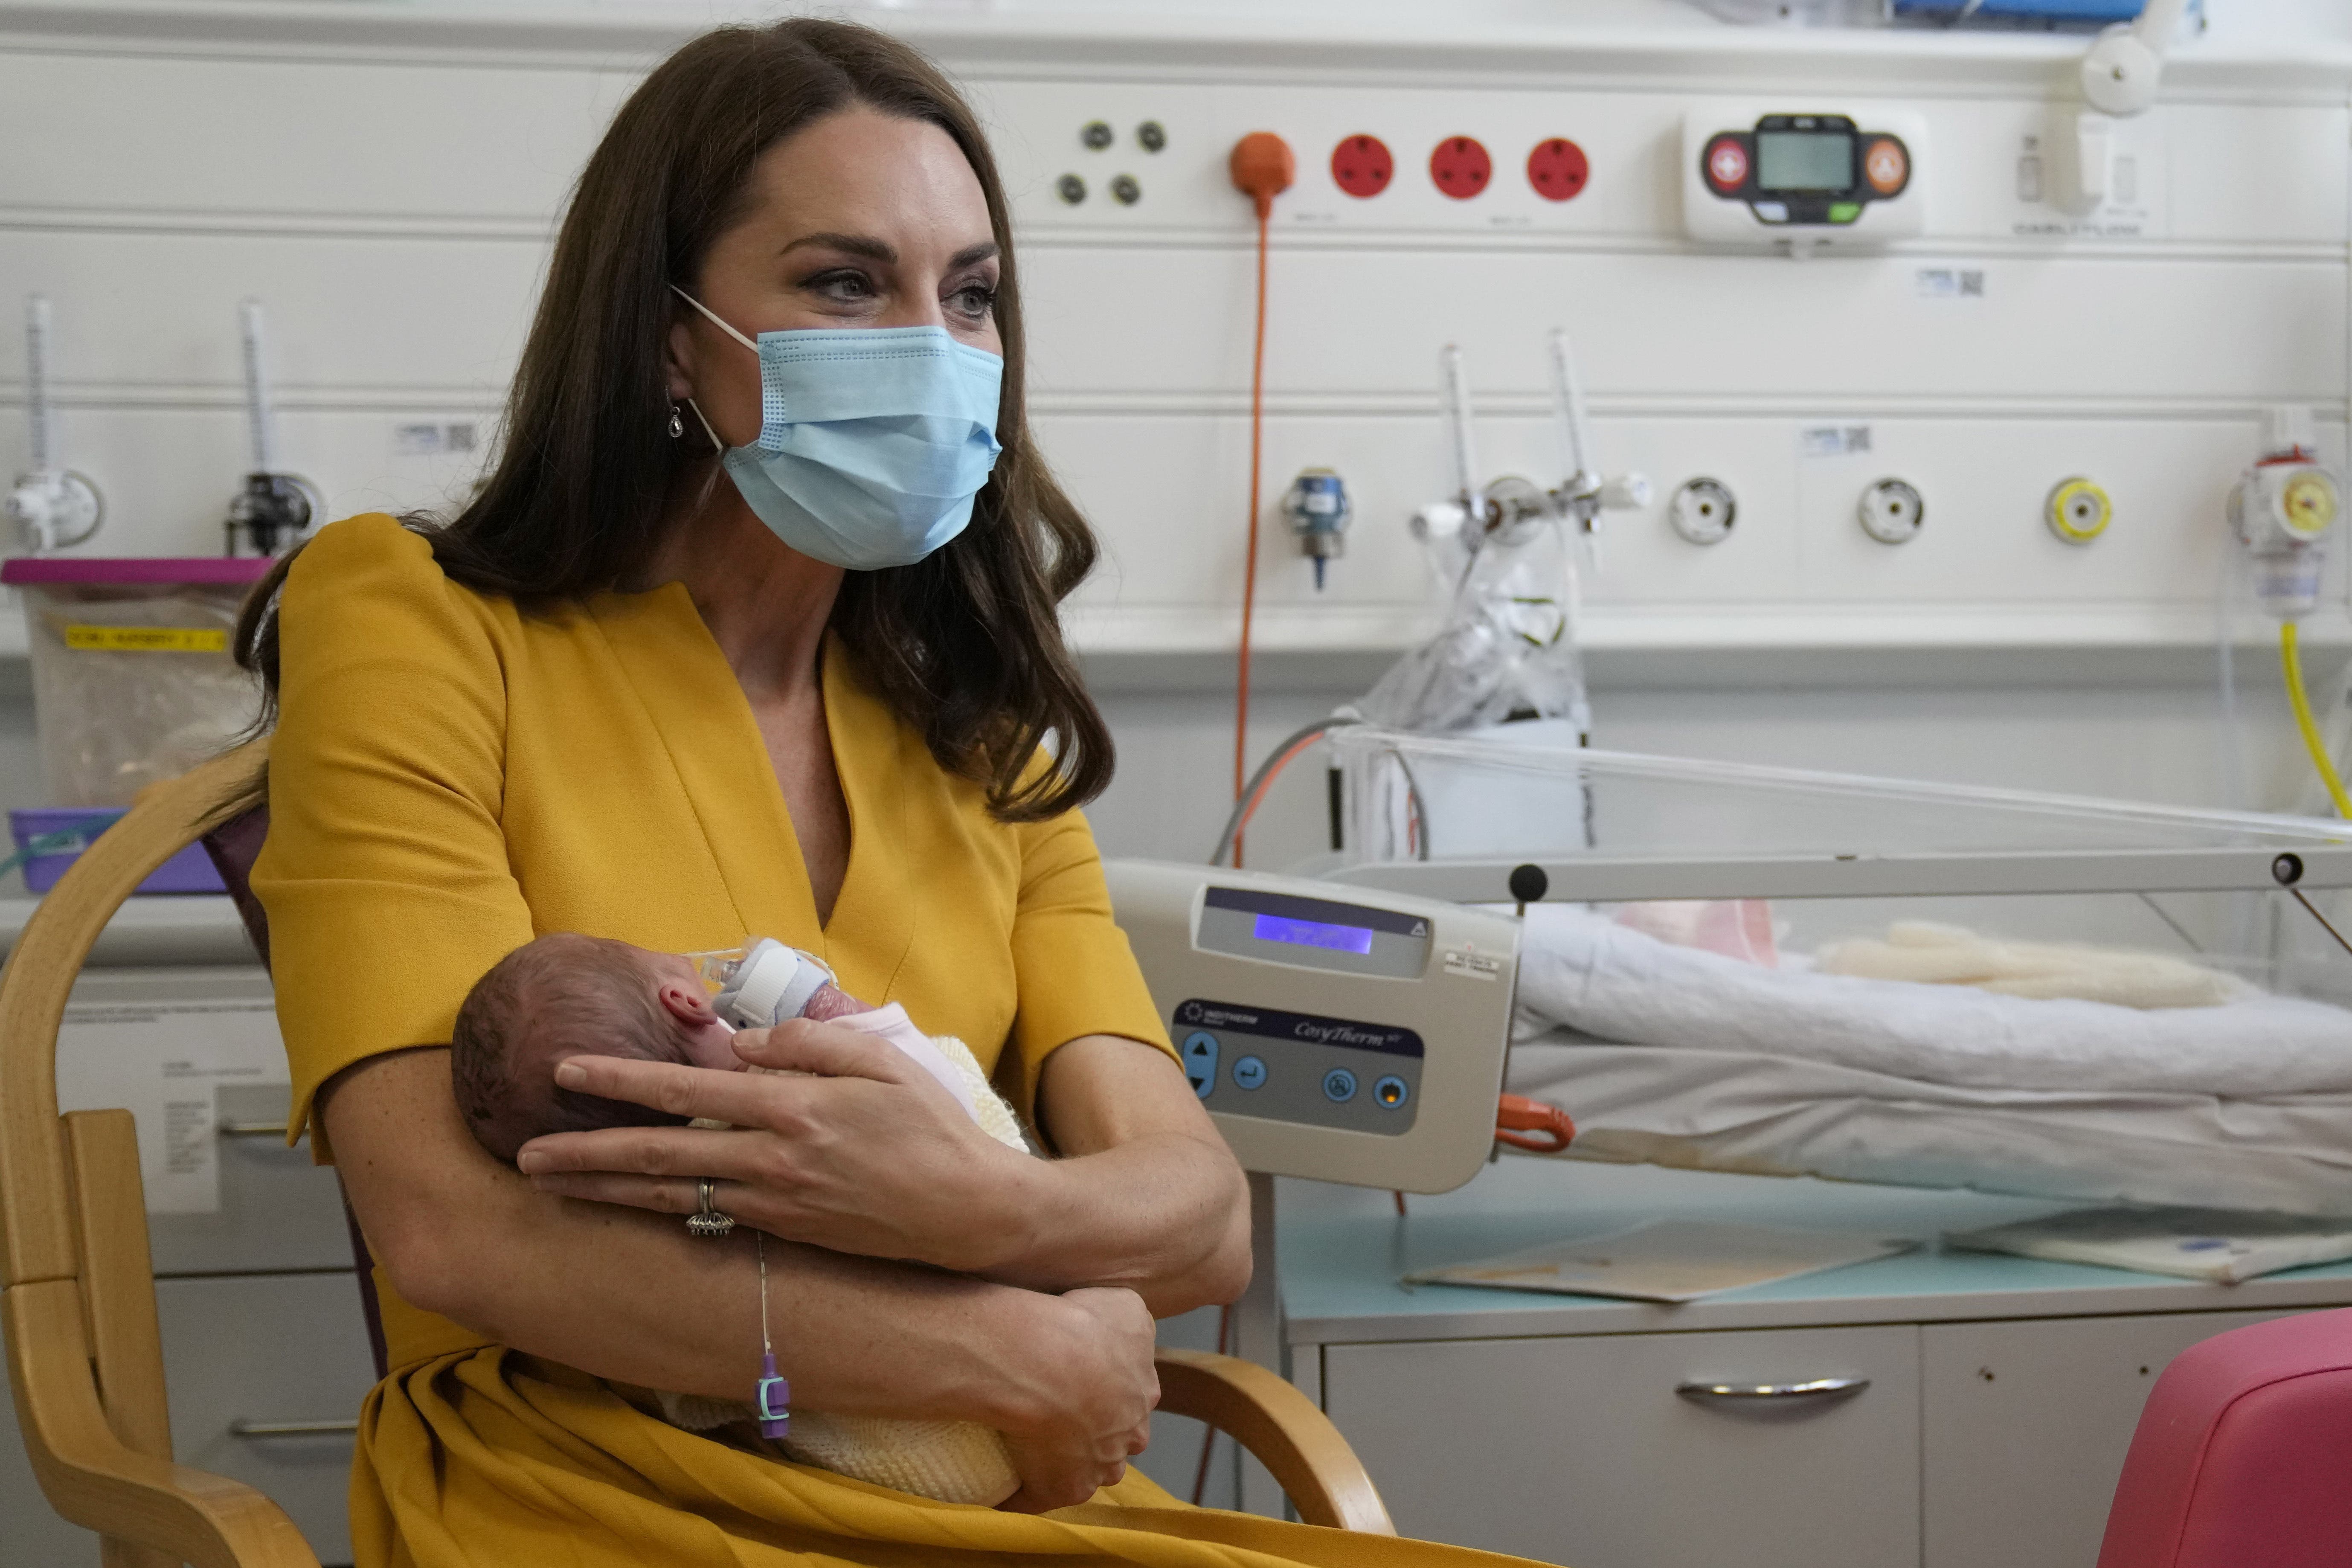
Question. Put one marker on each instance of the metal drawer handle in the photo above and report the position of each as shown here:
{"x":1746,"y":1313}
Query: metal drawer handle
{"x":253,"y":1130}
{"x":1817,"y":1388}
{"x":241,"y":1428}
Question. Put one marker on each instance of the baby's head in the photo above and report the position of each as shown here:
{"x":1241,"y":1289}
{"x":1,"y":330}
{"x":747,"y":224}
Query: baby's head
{"x":568,"y":996}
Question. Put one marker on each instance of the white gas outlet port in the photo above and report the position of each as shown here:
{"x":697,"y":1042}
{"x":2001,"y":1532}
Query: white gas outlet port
{"x":1891,"y":511}
{"x":1702,"y":511}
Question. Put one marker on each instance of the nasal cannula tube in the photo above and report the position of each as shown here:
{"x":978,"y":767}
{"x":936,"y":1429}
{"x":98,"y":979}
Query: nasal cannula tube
{"x":1456,"y":385}
{"x":257,"y":388}
{"x":36,"y":378}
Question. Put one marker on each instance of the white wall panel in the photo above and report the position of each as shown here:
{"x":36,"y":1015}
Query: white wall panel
{"x":300,"y":139}
{"x":1701,"y":330}
{"x":391,"y":208}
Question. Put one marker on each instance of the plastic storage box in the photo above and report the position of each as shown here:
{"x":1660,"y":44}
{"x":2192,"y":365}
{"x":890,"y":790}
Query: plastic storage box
{"x":133,"y":682}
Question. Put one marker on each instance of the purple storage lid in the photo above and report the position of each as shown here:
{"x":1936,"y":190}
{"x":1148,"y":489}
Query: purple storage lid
{"x":203,"y":570}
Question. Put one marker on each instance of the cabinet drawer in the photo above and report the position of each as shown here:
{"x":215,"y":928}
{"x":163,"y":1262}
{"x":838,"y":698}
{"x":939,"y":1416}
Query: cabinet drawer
{"x":277,"y":1210}
{"x":262,"y":1350}
{"x":1580,"y":1450}
{"x":2026,"y":1428}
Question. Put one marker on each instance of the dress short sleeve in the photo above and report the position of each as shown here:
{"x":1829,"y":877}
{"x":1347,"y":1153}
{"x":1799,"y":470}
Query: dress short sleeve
{"x":1075,"y":973}
{"x":385,"y":874}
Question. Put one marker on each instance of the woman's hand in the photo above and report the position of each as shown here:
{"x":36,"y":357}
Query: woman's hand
{"x":872,"y":1156}
{"x":1094,"y":1389}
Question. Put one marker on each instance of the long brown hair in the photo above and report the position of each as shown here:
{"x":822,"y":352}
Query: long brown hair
{"x":964,"y":646}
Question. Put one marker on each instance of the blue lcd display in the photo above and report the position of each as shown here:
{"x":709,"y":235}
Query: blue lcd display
{"x":1314,"y":933}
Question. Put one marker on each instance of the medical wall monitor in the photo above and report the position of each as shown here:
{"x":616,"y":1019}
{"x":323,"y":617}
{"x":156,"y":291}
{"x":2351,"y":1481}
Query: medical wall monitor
{"x":1332,"y":1033}
{"x":1829,"y":176}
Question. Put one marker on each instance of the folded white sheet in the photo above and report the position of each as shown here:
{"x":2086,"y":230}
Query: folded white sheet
{"x":1774,"y":1115}
{"x":1588,"y":973}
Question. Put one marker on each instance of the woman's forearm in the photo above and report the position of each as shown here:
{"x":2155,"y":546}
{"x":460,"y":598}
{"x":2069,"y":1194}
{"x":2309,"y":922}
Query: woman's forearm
{"x":1147,"y":1196}
{"x":627,"y":1295}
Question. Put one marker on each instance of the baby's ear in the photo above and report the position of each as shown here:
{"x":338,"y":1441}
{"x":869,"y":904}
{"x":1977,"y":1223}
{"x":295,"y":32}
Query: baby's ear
{"x":687,"y":1004}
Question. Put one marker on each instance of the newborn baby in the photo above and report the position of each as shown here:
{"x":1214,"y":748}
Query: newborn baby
{"x":565,"y":995}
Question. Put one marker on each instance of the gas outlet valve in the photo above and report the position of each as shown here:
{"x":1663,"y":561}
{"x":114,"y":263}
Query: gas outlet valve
{"x":1702,"y":511}
{"x":2282,"y":509}
{"x":1892,"y":512}
{"x":1317,"y":508}
{"x":2078,"y":512}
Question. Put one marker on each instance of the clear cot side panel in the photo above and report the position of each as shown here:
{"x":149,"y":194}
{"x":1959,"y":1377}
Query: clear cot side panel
{"x":1433,"y":802}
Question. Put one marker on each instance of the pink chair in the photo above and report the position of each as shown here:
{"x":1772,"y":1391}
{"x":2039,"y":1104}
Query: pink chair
{"x":2242,"y":1457}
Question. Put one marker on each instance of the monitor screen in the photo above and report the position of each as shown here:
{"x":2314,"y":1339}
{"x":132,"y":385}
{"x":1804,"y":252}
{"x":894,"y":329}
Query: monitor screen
{"x":1804,"y":160}
{"x":1314,"y":933}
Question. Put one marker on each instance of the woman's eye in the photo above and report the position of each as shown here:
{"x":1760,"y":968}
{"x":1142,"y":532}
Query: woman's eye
{"x":975,"y":299}
{"x":841,"y":285}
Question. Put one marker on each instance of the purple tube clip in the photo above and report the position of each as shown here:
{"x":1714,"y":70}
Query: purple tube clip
{"x":774,"y":1400}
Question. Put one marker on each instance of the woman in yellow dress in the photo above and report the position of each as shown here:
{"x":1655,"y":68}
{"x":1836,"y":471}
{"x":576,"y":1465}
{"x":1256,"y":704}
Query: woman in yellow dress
{"x":752,"y":631}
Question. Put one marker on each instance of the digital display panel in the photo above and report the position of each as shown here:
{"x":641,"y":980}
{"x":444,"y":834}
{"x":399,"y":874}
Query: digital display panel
{"x":1313,"y":933}
{"x":1804,"y":160}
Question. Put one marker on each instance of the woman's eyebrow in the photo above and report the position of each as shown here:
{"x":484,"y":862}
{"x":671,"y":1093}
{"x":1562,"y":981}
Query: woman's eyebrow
{"x":972,"y":255}
{"x":855,"y":244}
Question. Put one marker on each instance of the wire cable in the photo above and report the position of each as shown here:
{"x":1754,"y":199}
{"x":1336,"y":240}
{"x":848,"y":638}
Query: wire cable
{"x":2290,"y":662}
{"x":1249,"y":562}
{"x":1247,"y":796}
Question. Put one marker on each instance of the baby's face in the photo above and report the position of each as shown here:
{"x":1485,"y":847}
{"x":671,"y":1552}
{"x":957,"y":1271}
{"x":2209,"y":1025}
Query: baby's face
{"x":708,"y":1042}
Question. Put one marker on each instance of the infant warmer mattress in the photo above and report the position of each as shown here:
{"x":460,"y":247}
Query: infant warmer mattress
{"x":1683,"y":1057}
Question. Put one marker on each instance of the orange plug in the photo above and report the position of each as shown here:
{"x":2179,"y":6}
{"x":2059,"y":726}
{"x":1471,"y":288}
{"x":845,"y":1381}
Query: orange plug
{"x":1517,"y":1116}
{"x":1262,"y":168}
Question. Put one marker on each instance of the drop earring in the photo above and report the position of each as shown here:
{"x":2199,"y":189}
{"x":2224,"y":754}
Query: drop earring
{"x":677,"y":423}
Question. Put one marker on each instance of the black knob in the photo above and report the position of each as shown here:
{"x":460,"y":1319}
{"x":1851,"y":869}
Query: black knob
{"x":2288,"y":869}
{"x":1071,"y":189}
{"x":1097,"y":135}
{"x":1528,"y":884}
{"x":1151,"y":136}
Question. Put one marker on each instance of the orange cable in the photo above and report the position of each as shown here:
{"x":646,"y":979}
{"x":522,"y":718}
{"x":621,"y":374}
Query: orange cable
{"x":1249,"y":567}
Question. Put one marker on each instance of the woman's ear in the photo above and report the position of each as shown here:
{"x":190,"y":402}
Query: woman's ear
{"x":687,"y":1004}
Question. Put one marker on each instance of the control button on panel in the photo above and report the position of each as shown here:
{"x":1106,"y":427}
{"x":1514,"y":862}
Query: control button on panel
{"x":1250,"y":1073}
{"x":1844,"y":212}
{"x":1338,"y":1086}
{"x":1886,"y":166}
{"x":1726,"y":165}
{"x":1391,"y":1091}
{"x":1771,"y":212}
{"x":1201,"y":1061}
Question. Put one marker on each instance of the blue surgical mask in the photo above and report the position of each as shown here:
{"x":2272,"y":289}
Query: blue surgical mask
{"x":873,"y":441}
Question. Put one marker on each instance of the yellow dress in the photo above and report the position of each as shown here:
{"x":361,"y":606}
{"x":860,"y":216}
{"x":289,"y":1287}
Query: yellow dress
{"x":451,"y":778}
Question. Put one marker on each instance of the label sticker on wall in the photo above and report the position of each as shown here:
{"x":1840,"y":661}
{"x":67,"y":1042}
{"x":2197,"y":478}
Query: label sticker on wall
{"x":147,"y":639}
{"x":1949,"y":282}
{"x":163,"y":1062}
{"x":1832,"y":441}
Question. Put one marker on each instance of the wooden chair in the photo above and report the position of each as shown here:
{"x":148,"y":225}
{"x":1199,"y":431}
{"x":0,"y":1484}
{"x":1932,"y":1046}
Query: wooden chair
{"x":77,"y":1290}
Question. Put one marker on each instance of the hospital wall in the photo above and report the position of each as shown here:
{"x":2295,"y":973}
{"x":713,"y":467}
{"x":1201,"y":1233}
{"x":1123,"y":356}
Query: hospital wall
{"x":385,"y":181}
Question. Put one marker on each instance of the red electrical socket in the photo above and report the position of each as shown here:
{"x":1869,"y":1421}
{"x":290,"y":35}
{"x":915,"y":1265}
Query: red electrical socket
{"x":1557,"y":169}
{"x":1362,"y":166}
{"x":1460,"y":167}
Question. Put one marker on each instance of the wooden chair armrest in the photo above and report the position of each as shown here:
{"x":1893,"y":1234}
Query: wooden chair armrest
{"x":93,"y":1479}
{"x":1282,"y":1428}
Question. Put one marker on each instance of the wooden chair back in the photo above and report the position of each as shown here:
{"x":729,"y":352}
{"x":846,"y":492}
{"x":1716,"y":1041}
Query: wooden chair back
{"x":77,"y":1288}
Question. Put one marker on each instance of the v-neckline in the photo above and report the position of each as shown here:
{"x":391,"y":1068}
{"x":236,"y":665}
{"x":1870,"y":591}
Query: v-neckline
{"x":704,"y":722}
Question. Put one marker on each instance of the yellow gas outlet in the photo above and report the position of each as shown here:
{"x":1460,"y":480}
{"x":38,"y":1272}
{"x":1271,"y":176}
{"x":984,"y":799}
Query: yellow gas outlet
{"x":2078,"y":512}
{"x":2307,"y":504}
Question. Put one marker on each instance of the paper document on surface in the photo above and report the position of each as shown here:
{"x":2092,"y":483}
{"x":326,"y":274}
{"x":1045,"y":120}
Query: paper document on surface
{"x":163,"y":1062}
{"x":2223,"y":1244}
{"x":1665,"y":1260}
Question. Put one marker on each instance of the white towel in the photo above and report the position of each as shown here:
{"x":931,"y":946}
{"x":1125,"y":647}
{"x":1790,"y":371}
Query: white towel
{"x":1593,"y":975}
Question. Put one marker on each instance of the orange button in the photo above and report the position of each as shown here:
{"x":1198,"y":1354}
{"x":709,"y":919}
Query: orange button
{"x":1886,"y":166}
